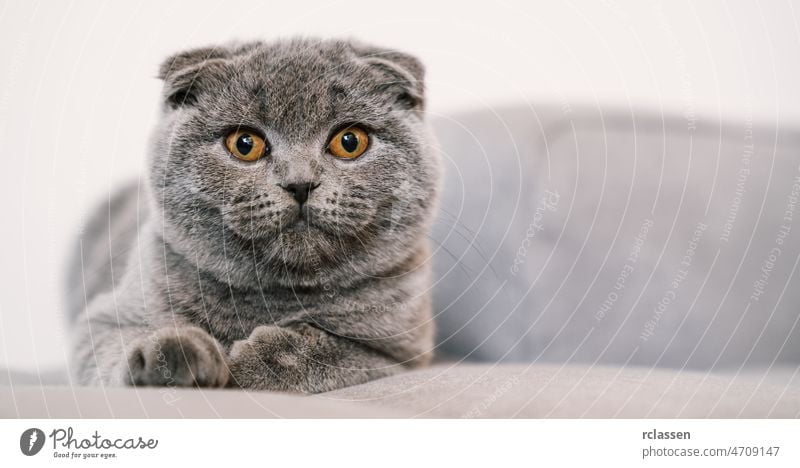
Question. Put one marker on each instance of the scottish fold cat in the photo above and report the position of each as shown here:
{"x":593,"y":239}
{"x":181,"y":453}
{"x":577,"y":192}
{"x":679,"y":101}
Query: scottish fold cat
{"x":279,"y":238}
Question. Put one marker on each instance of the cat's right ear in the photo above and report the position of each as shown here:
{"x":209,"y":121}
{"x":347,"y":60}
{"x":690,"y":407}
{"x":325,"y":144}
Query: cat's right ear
{"x":187,"y":73}
{"x":405,"y":74}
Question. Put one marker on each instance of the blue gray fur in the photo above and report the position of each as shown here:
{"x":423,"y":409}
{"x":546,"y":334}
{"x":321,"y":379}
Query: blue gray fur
{"x":208,"y":273}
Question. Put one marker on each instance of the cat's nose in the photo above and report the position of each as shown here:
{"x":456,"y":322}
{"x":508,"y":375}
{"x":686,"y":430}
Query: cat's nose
{"x":300,"y":192}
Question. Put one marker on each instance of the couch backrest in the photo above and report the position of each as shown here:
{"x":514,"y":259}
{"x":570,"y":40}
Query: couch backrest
{"x":618,"y":236}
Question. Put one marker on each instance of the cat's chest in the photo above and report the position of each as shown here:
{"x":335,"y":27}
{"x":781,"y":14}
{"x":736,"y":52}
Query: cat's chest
{"x":231,"y":315}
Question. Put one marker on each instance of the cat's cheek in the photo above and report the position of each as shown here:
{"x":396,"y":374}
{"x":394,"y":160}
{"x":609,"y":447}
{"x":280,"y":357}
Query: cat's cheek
{"x":246,"y":225}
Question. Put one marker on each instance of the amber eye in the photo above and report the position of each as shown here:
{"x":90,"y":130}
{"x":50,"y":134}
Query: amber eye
{"x":246,"y":145}
{"x":349,"y":143}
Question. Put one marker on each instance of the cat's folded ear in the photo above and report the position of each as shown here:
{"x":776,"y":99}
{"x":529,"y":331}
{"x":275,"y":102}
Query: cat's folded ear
{"x":404,"y":73}
{"x":187,"y":73}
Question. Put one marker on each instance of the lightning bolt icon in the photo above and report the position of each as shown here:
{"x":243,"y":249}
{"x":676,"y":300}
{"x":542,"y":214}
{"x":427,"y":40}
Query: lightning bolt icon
{"x":34,"y":437}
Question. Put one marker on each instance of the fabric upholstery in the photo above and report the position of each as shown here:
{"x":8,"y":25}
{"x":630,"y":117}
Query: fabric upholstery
{"x":653,"y":251}
{"x":448,"y":391}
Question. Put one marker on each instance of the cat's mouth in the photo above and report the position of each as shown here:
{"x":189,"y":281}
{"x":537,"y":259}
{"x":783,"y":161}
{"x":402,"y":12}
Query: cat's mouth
{"x":300,"y":224}
{"x":303,"y":220}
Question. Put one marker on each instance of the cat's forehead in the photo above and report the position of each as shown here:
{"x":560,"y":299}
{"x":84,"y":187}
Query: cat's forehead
{"x":305,"y":86}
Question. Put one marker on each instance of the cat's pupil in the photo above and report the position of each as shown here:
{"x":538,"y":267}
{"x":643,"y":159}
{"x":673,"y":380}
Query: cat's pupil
{"x":244,"y":144}
{"x":349,"y":142}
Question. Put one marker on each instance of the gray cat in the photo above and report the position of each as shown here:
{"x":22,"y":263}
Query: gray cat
{"x":279,"y":240}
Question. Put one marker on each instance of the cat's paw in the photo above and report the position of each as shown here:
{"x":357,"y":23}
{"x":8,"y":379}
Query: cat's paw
{"x":271,"y":358}
{"x":183,"y":357}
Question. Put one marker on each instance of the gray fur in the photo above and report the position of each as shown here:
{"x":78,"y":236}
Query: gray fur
{"x":216,"y":282}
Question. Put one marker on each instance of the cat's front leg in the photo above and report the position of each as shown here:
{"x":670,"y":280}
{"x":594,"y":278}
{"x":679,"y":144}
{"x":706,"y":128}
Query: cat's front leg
{"x":303,"y":359}
{"x":176,"y":356}
{"x":124,"y":347}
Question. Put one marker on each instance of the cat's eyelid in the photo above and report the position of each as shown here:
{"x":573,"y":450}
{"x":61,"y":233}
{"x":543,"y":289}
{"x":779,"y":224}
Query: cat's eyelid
{"x":369,"y":128}
{"x":242,"y":128}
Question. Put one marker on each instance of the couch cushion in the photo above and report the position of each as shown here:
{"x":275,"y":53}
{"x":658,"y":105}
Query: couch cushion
{"x":541,"y":391}
{"x":449,"y":391}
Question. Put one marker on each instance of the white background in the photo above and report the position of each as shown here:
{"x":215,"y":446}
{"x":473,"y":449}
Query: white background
{"x":409,"y":443}
{"x":78,"y":95}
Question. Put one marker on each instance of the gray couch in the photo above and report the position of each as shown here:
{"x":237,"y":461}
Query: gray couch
{"x":589,"y":263}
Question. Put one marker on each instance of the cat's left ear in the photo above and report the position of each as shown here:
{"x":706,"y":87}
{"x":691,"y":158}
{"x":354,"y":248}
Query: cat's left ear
{"x":405,"y":73}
